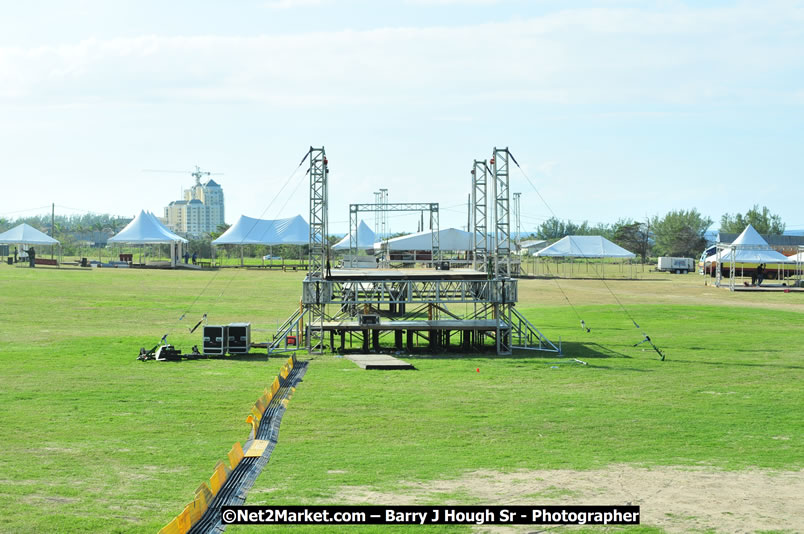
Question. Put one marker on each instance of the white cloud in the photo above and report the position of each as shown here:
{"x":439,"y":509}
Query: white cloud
{"x":681,"y":56}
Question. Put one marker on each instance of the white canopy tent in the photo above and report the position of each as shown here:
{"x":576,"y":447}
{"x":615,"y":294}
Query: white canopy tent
{"x":365,"y":238}
{"x":25,"y":234}
{"x":587,"y":247}
{"x":146,"y":229}
{"x":449,"y":239}
{"x":751,"y":248}
{"x":753,"y":257}
{"x":251,"y":231}
{"x":584,"y":246}
{"x":746,"y":253}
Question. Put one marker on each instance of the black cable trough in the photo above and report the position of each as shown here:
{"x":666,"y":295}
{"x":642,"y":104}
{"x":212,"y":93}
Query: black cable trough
{"x":234,"y":490}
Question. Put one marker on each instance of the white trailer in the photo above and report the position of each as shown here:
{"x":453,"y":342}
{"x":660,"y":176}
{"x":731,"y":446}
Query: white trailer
{"x":675,"y":265}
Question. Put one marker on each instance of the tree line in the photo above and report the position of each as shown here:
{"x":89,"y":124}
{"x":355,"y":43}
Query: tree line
{"x":677,"y":233}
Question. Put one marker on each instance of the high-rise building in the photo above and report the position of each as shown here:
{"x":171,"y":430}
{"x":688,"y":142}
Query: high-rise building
{"x":201,"y":211}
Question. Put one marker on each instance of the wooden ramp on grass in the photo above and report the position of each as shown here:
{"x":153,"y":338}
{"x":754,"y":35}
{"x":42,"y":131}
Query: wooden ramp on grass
{"x":378,"y":361}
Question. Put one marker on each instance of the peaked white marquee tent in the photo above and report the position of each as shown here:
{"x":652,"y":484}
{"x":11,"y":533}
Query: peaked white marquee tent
{"x":584,"y":246}
{"x":365,"y":238}
{"x":146,"y":229}
{"x":26,"y":234}
{"x":744,"y":254}
{"x":750,"y":248}
{"x":251,"y":231}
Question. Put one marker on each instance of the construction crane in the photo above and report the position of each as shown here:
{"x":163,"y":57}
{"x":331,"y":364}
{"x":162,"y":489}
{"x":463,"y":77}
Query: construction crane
{"x":197,"y":173}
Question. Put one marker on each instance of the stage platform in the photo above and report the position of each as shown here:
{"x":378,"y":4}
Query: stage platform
{"x":410,"y":335}
{"x":368,"y":275}
{"x":441,"y":324}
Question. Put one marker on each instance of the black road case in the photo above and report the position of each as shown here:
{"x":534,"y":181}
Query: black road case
{"x":216,"y":339}
{"x":239,"y":338}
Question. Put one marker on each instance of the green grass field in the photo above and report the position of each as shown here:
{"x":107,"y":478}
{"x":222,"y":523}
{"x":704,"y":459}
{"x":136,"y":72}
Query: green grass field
{"x":93,"y":440}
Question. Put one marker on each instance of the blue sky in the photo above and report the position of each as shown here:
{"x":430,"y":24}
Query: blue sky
{"x":614,"y":109}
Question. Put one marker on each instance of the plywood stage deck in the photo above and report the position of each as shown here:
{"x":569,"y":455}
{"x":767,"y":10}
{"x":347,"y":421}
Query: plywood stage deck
{"x":378,"y":361}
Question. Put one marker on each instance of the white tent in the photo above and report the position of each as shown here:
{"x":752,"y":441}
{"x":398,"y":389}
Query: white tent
{"x":448,"y":239}
{"x":365,"y":238}
{"x":146,"y":229}
{"x":752,"y":256}
{"x":250,"y":231}
{"x":750,"y":247}
{"x":584,"y":246}
{"x":26,"y":234}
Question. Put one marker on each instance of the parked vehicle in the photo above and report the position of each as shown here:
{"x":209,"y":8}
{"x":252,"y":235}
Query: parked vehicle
{"x":675,"y":265}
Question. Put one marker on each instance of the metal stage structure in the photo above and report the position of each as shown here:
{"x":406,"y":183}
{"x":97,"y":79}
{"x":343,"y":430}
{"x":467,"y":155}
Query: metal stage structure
{"x":726,"y":258}
{"x":382,"y":207}
{"x":468,"y":308}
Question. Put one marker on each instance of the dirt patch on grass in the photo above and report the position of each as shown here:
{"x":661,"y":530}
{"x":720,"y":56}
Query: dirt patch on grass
{"x":676,"y":499}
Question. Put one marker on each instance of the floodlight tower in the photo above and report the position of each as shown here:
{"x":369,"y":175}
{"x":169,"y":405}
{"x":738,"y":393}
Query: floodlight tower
{"x":377,"y":214}
{"x":502,"y":214}
{"x":319,"y":247}
{"x":384,"y":214}
{"x":479,"y":220}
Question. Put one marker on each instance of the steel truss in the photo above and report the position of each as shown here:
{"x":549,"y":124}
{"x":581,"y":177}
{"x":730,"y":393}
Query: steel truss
{"x":438,"y":292}
{"x":479,"y":220}
{"x":319,"y":246}
{"x":493,"y":299}
{"x":384,"y":207}
{"x":729,"y":252}
{"x":502,"y":213}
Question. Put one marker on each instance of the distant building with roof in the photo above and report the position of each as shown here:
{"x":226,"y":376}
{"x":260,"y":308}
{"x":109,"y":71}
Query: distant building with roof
{"x":201,"y":211}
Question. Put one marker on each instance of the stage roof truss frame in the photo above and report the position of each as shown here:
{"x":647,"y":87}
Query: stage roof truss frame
{"x":354,"y":221}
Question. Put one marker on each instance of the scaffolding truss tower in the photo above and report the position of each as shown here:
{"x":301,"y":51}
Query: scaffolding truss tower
{"x":502,"y":213}
{"x":318,"y":258}
{"x":479,"y":220}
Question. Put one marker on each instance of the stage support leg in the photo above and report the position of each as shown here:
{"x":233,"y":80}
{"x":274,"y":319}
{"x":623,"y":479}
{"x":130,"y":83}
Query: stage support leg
{"x":410,"y":340}
{"x":398,"y":339}
{"x":466,"y":340}
{"x":375,"y":338}
{"x":365,"y":340}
